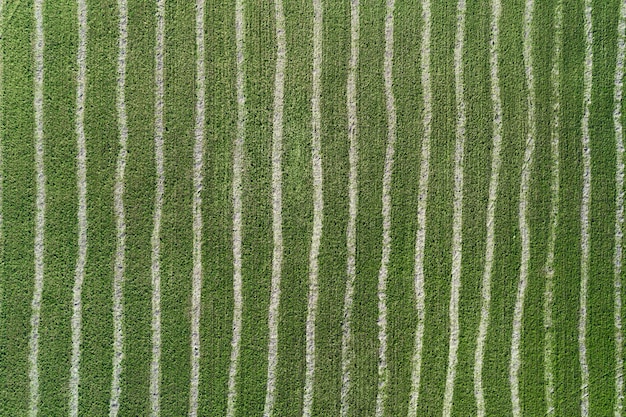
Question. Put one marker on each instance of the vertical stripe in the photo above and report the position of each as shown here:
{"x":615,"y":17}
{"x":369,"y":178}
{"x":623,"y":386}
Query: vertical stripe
{"x":584,"y":213}
{"x":383,"y":373}
{"x":237,"y":209}
{"x":120,"y":251}
{"x":353,"y":197}
{"x":159,"y":56}
{"x":81,"y":81}
{"x":619,"y":211}
{"x":457,"y":225}
{"x":277,"y":216}
{"x":496,"y":161}
{"x":420,"y":239}
{"x":198,"y":167}
{"x":318,"y":209}
{"x":40,"y":212}
{"x":518,"y":313}
{"x":2,"y":12}
{"x":549,"y":341}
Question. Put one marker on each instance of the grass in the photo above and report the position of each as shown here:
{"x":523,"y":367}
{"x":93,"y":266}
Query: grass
{"x":401,"y":294}
{"x":18,"y":207}
{"x":176,"y":231}
{"x":372,"y":139}
{"x":101,"y":134}
{"x":297,"y":207}
{"x":217,"y":253}
{"x":61,"y":232}
{"x":332,"y":273}
{"x":477,"y":171}
{"x":139,"y":202}
{"x":257,"y":203}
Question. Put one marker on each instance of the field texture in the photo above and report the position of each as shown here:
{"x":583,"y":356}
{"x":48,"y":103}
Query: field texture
{"x":312,"y":208}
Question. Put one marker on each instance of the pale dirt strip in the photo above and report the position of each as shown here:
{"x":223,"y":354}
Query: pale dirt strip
{"x":40,"y":210}
{"x":353,"y":196}
{"x":518,"y":313}
{"x":549,"y":339}
{"x":457,"y":224}
{"x":120,"y":214}
{"x":198,"y":167}
{"x":81,"y":82}
{"x":237,"y":209}
{"x":584,"y":213}
{"x":383,"y":373}
{"x":619,"y":211}
{"x":496,"y":11}
{"x":159,"y":56}
{"x":420,"y":238}
{"x":318,"y":208}
{"x":277,"y":207}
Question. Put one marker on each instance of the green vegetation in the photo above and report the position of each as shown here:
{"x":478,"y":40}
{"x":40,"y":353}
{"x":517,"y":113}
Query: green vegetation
{"x":297,"y":208}
{"x":404,"y":191}
{"x":102,"y":145}
{"x":17,"y":127}
{"x":260,"y":64}
{"x":139,"y":203}
{"x":217,"y":252}
{"x":177,"y":232}
{"x":567,"y":255}
{"x":333,"y":251}
{"x":18,"y":208}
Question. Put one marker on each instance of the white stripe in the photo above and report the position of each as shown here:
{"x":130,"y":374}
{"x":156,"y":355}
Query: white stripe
{"x":277,"y":216}
{"x":198,"y":167}
{"x":457,"y":225}
{"x":353,"y":196}
{"x":619,"y":212}
{"x":237,"y":209}
{"x":491,"y":209}
{"x":40,"y":213}
{"x":420,"y":239}
{"x":584,"y":213}
{"x":118,"y":277}
{"x":81,"y":62}
{"x":383,"y":373}
{"x":554,"y":213}
{"x":318,"y":209}
{"x":518,"y":313}
{"x":155,"y":366}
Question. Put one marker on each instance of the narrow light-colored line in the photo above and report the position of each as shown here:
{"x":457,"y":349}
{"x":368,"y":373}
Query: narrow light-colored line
{"x":159,"y":56}
{"x":353,"y":202}
{"x":120,"y":214}
{"x":318,"y":208}
{"x":420,"y":239}
{"x":81,"y":82}
{"x":554,"y":212}
{"x":496,"y":10}
{"x":383,"y":372}
{"x":277,"y":216}
{"x":619,"y":211}
{"x":518,"y":313}
{"x":237,"y":208}
{"x":198,"y":167}
{"x":40,"y":218}
{"x":584,"y":212}
{"x":457,"y":221}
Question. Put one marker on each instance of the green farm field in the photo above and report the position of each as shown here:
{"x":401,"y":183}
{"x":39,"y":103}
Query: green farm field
{"x":312,"y":208}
